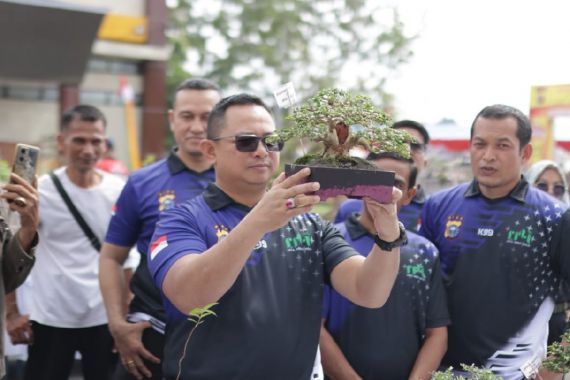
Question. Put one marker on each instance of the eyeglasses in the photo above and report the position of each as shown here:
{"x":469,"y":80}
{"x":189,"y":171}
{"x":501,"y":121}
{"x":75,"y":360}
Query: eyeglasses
{"x":416,"y":147}
{"x":557,"y":190}
{"x":249,"y":143}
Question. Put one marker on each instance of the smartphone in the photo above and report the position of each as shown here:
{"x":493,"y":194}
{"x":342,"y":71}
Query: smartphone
{"x":25,"y":161}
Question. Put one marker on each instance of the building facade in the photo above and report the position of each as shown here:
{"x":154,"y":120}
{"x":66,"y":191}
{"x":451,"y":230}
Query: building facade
{"x":81,"y":51}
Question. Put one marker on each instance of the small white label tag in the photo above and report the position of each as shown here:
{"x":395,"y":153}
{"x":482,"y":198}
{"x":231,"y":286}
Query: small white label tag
{"x":531,"y":367}
{"x":285,"y":95}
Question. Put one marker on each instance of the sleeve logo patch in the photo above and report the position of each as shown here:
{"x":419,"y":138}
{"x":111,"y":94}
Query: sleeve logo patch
{"x":157,"y":246}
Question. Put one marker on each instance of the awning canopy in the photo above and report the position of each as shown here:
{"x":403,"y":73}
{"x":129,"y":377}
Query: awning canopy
{"x":46,"y":39}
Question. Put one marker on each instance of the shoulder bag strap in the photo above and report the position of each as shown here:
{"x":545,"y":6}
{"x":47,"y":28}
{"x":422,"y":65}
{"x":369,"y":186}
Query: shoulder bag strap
{"x":84,"y":226}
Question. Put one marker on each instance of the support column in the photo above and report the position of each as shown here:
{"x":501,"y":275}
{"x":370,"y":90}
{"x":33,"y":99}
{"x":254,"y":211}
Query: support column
{"x":68,"y":97}
{"x":155,"y":122}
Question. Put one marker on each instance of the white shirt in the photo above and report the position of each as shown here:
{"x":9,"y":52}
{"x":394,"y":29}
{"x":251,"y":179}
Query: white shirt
{"x":65,"y":277}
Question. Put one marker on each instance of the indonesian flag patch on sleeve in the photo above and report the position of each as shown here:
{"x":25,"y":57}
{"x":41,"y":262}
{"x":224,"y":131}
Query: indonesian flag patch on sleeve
{"x":157,"y":246}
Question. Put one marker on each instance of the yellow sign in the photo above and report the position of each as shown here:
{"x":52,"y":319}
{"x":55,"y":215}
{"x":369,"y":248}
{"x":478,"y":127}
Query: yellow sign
{"x":550,"y":96}
{"x":124,"y":28}
{"x":546,"y":102}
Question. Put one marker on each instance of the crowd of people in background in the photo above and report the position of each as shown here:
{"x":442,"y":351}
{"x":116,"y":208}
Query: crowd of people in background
{"x":475,"y":274}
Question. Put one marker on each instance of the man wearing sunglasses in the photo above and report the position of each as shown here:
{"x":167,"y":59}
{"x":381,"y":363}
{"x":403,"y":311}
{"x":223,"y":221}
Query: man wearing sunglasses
{"x":410,"y":214}
{"x":260,"y":257}
{"x":504,"y":247}
{"x":184,"y":174}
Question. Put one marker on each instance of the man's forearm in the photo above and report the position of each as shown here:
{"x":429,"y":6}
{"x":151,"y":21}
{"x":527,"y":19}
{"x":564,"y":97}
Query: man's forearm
{"x":113,"y":287}
{"x":11,"y":304}
{"x":430,"y":355}
{"x":376,"y":277}
{"x":27,"y":237}
{"x":367,"y":282}
{"x":335,"y":364}
{"x":196,"y":280}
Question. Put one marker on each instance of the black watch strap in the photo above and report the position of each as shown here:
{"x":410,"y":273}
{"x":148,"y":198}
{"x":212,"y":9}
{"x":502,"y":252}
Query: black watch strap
{"x":388,"y":246}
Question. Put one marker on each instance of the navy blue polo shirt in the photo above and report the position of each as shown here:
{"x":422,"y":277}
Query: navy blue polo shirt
{"x":268,"y":323}
{"x":502,"y":260}
{"x":147,"y":193}
{"x":384,"y":343}
{"x":409,"y":215}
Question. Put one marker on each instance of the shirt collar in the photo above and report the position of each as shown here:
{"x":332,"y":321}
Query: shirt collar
{"x":354,"y":228}
{"x":517,"y":193}
{"x":176,"y":165}
{"x":216,"y":199}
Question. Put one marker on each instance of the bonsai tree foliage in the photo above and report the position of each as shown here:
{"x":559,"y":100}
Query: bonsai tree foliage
{"x":340,"y":121}
{"x":474,"y":373}
{"x":558,"y":359}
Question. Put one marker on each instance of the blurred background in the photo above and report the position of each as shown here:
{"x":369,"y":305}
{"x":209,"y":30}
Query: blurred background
{"x":435,"y":61}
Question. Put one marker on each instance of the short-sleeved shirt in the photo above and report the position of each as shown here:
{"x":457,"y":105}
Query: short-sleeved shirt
{"x":384,"y":343}
{"x":65,"y":290}
{"x":502,"y":260}
{"x":148,"y":192}
{"x":267,"y":324}
{"x":409,"y":215}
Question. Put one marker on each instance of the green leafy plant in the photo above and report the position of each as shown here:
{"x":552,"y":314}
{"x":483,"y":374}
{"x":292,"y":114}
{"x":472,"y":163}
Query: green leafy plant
{"x":557,"y":361}
{"x":474,"y":373}
{"x":197,"y":316}
{"x":4,"y":171}
{"x":340,"y":121}
{"x":558,"y":358}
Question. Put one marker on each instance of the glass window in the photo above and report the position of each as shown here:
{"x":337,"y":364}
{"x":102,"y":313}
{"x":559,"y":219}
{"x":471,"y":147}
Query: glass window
{"x":94,"y":97}
{"x":24,"y":93}
{"x":113,"y":66}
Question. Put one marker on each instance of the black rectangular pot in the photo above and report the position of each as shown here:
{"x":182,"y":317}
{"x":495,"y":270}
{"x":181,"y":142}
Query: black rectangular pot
{"x":353,"y":183}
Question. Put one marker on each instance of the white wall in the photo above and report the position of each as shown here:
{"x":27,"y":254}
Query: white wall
{"x":125,"y":7}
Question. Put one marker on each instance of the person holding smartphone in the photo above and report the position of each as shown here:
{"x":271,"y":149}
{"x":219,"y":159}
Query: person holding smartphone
{"x":65,"y":303}
{"x":17,"y":250}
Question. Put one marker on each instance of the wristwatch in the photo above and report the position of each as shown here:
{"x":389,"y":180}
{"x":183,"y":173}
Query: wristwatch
{"x":388,"y":246}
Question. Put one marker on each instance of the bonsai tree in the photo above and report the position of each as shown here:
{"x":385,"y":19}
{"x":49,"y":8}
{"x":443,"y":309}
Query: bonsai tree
{"x":340,"y":121}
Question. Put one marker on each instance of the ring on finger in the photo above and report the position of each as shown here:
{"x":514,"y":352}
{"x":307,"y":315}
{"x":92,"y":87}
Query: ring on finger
{"x":20,"y":202}
{"x":130,"y":363}
{"x":290,"y":203}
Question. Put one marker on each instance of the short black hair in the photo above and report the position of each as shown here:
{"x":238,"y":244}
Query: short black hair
{"x":395,"y":156}
{"x":83,"y":112}
{"x":197,"y":84}
{"x":217,"y":117}
{"x":413,"y":125}
{"x":501,"y":111}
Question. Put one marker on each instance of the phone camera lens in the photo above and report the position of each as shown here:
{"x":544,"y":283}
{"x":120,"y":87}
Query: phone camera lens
{"x":24,"y":150}
{"x":21,"y":158}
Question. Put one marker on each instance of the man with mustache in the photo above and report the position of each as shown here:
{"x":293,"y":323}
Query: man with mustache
{"x":139,"y":338}
{"x":66,"y":307}
{"x":503,"y":246}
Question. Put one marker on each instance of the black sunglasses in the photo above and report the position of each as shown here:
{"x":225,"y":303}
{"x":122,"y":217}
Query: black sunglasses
{"x":249,"y":143}
{"x":557,"y":190}
{"x":416,"y":147}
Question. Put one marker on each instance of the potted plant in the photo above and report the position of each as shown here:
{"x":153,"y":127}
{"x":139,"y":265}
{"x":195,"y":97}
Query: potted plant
{"x":341,"y":121}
